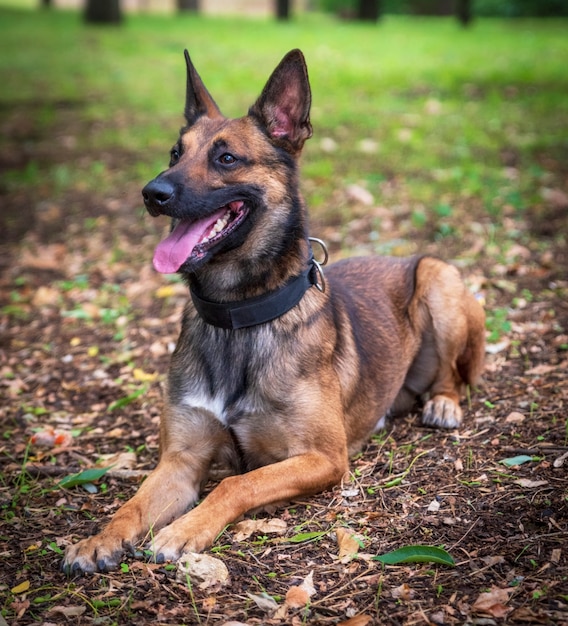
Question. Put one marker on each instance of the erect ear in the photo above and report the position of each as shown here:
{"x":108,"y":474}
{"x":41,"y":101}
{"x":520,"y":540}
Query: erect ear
{"x":198,"y":100}
{"x":283,"y":107}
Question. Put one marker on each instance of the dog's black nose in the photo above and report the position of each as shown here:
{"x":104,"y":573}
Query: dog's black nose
{"x":157,"y":194}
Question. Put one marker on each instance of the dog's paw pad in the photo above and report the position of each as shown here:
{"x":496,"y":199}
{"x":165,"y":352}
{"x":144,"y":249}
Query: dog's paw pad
{"x":442,"y":412}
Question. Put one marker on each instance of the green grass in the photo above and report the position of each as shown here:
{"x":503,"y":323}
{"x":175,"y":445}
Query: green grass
{"x":441,"y":104}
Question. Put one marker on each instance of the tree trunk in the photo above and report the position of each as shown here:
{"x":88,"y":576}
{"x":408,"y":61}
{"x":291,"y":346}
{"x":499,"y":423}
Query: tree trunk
{"x":368,"y":10}
{"x":283,"y":9}
{"x":463,"y":12}
{"x":103,"y":12}
{"x":188,"y":5}
{"x":45,"y":4}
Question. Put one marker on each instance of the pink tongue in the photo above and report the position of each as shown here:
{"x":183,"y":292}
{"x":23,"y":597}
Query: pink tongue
{"x":172,"y":253}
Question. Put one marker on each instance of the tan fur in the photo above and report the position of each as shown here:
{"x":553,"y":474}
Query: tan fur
{"x":286,"y":402}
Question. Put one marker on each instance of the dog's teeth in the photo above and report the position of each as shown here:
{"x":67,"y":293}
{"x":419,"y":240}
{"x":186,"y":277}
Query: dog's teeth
{"x":217,"y":227}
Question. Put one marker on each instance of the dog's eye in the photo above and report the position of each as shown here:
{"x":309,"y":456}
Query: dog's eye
{"x":174,"y":156}
{"x":227,"y":159}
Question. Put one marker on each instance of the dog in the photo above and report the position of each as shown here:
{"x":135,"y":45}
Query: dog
{"x":280,"y":371}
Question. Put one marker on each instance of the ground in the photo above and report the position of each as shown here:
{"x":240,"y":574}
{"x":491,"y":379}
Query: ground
{"x":86,"y":332}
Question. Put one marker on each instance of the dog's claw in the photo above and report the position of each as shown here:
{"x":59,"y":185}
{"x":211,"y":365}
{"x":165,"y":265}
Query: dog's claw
{"x":442,"y":412}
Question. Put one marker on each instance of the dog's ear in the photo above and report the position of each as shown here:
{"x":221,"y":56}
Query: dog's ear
{"x":198,"y":100}
{"x":283,"y":107}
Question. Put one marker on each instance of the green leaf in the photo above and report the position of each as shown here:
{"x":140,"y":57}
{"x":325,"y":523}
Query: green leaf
{"x":416,"y":554}
{"x":121,"y":402}
{"x":82,"y":478}
{"x":517,"y":460}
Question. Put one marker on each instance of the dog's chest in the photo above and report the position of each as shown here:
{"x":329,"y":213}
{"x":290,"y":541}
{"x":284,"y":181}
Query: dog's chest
{"x":228,"y":379}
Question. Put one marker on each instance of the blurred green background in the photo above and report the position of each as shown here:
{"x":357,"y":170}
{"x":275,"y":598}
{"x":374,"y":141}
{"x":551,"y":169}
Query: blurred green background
{"x":416,"y":118}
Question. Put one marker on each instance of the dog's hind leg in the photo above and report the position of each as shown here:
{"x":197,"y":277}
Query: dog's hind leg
{"x":452,"y":326}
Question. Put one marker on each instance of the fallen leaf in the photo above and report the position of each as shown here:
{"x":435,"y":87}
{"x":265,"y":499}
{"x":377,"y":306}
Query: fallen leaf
{"x":559,"y":461}
{"x":359,"y":194}
{"x":348,"y":544}
{"x":493,"y":602}
{"x":203,"y":570}
{"x":530,"y":484}
{"x":296,"y":597}
{"x":23,"y":586}
{"x":358,"y":620}
{"x":515,"y":418}
{"x":516,"y":460}
{"x":433,"y":507}
{"x":247,"y":527}
{"x":403,"y":592}
{"x":416,"y":554}
{"x":68,"y":611}
{"x":142,"y":376}
{"x":45,"y":296}
{"x":121,"y":460}
{"x":263,"y":601}
{"x":542,"y":369}
{"x":493,"y":560}
{"x":82,"y":478}
{"x":20,"y":607}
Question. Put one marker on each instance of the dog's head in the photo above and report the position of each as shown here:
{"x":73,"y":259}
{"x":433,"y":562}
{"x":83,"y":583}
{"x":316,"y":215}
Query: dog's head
{"x":231,"y":187}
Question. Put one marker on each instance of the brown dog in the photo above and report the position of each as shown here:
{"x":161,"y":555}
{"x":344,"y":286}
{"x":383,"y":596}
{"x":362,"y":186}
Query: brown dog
{"x":278,"y":372}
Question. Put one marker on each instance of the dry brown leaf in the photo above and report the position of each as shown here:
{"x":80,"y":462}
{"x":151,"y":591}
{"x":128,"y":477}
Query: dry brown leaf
{"x":45,"y":296}
{"x":493,"y":602}
{"x":45,"y":257}
{"x":296,"y":597}
{"x":531,"y":484}
{"x":299,"y":595}
{"x":493,"y":560}
{"x":358,"y":620}
{"x":515,"y":418}
{"x":68,"y":611}
{"x":121,"y":460}
{"x":247,"y":527}
{"x":263,"y":601}
{"x":348,"y":544}
{"x":404,"y":592}
{"x":543,"y":368}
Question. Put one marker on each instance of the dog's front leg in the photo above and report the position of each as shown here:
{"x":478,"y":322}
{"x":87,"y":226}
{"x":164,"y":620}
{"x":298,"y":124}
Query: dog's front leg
{"x":300,"y":475}
{"x":188,"y":443}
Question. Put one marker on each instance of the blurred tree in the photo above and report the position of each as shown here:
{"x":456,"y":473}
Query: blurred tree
{"x":283,"y":9}
{"x":368,"y":10}
{"x":45,"y":4}
{"x":463,"y":11}
{"x":103,"y":12}
{"x":188,"y":5}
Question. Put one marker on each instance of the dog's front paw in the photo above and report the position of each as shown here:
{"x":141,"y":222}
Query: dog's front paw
{"x":176,"y":539}
{"x":92,"y":555}
{"x":442,"y":412}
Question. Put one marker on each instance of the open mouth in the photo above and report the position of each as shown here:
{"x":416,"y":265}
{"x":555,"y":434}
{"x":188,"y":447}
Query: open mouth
{"x":190,"y":240}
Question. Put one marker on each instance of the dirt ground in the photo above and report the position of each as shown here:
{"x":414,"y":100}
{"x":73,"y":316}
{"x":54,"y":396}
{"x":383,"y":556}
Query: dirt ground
{"x":86,"y":328}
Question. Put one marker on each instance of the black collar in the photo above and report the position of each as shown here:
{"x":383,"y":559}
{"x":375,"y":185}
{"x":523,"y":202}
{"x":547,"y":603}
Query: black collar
{"x":263,"y":308}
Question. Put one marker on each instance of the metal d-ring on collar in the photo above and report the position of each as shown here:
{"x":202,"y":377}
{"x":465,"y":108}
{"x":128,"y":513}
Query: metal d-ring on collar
{"x":268,"y":306}
{"x":319,"y":284}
